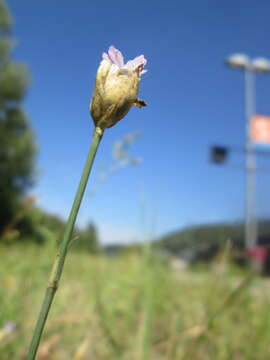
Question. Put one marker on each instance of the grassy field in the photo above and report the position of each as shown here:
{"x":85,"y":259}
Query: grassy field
{"x":130,"y":307}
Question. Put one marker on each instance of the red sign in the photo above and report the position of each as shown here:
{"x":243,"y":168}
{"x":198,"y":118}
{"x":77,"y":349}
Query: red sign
{"x":260,"y":129}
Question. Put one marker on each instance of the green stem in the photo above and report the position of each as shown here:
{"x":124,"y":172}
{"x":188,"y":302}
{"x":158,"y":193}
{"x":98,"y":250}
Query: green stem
{"x":61,"y":255}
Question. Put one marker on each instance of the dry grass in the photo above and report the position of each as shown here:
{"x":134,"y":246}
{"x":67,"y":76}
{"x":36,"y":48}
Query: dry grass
{"x":130,"y":309}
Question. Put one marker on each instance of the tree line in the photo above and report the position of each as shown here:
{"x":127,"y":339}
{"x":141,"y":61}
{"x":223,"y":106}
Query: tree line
{"x":20,"y":219}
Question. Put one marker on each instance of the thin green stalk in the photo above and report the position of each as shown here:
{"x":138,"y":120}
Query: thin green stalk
{"x":147,"y":317}
{"x":148,"y":296}
{"x":61,"y":254}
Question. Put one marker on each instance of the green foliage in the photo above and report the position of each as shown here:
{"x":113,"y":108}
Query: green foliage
{"x":197,"y":238}
{"x":52,"y":223}
{"x":5,"y":17}
{"x":17,"y":147}
{"x":126,"y":308}
{"x":201,"y":235}
{"x":13,"y":79}
{"x":87,"y":239}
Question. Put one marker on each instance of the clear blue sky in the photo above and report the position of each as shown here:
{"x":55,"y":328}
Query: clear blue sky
{"x":194,"y":101}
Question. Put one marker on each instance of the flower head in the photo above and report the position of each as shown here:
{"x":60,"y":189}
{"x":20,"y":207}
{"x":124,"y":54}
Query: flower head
{"x":116,"y":88}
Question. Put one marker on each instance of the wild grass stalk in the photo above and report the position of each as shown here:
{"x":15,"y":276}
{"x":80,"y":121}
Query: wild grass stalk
{"x":145,"y":329}
{"x":201,"y":332}
{"x":103,"y":322}
{"x":146,"y":320}
{"x":59,"y":262}
{"x":112,"y":98}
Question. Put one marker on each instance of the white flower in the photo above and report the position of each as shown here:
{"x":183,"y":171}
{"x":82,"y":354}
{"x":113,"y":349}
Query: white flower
{"x":116,"y":88}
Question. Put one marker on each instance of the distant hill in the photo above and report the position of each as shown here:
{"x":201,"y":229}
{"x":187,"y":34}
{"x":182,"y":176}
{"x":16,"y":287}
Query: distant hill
{"x":210,"y":236}
{"x":198,"y":242}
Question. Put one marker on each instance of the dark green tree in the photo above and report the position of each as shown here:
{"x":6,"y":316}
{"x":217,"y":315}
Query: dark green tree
{"x":17,"y":147}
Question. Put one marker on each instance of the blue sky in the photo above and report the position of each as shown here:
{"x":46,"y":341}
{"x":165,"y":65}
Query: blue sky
{"x":194,"y":101}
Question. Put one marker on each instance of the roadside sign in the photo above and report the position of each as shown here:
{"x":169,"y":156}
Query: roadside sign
{"x":260,"y":129}
{"x":218,"y":154}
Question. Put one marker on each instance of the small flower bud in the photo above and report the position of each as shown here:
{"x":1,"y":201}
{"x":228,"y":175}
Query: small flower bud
{"x":116,"y":88}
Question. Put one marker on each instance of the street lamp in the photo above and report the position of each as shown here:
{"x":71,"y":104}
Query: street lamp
{"x":250,"y":67}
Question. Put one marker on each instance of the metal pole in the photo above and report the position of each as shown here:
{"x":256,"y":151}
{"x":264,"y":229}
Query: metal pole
{"x":250,"y":223}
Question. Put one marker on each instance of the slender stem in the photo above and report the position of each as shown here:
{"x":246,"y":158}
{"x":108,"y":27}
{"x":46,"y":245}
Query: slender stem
{"x":61,"y":254}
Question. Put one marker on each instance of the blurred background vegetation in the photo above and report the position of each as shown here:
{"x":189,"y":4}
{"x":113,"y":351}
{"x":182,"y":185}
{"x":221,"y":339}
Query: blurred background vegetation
{"x":17,"y":140}
{"x":20,"y":219}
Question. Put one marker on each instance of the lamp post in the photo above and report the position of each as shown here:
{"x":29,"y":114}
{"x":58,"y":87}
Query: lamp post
{"x":250,"y":67}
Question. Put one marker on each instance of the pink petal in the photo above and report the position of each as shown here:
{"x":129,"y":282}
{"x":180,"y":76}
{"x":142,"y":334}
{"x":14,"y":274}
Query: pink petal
{"x":106,"y":57}
{"x":139,"y":60}
{"x":116,"y":56}
{"x":137,"y":64}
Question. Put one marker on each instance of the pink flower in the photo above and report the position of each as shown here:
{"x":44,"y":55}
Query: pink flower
{"x":115,"y":57}
{"x":116,"y":88}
